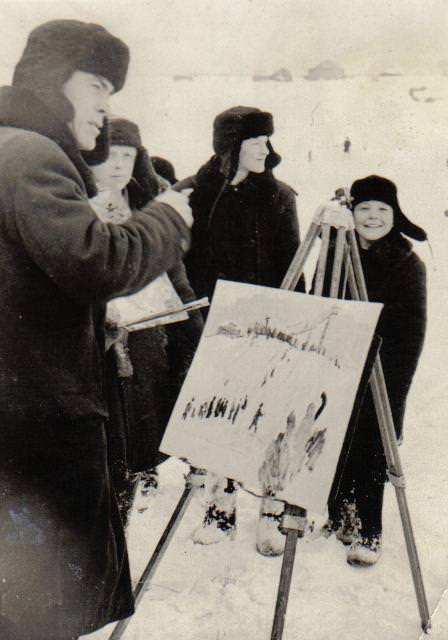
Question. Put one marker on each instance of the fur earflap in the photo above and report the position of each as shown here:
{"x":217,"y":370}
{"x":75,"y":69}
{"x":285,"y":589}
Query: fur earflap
{"x":144,"y":185}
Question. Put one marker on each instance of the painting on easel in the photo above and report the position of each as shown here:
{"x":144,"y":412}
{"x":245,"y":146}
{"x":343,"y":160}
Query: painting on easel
{"x":269,"y":394}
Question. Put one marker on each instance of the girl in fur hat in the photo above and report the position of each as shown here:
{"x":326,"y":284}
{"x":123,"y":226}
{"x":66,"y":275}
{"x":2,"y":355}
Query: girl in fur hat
{"x":395,"y":276}
{"x":160,"y":355}
{"x":245,"y":229}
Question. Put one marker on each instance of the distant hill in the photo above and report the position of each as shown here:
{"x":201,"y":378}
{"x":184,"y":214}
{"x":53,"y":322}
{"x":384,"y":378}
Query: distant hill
{"x":326,"y":70}
{"x":390,"y":74}
{"x":281,"y":75}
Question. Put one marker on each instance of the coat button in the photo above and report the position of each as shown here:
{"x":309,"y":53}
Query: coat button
{"x":251,"y":243}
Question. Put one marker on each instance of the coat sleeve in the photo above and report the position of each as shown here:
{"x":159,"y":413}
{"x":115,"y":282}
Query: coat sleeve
{"x":87,"y":259}
{"x":403,"y":325}
{"x":287,"y":238}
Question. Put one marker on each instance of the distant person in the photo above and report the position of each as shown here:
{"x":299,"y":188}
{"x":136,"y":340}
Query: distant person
{"x":159,"y":356}
{"x":164,"y":169}
{"x":347,"y":145}
{"x":245,"y":229}
{"x":63,"y":558}
{"x":395,"y":276}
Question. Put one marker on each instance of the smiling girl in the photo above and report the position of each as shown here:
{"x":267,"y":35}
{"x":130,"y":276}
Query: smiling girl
{"x":395,"y":276}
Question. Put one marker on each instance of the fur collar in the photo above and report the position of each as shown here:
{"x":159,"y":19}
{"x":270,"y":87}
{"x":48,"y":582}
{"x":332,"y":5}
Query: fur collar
{"x":393,"y":247}
{"x":20,"y":108}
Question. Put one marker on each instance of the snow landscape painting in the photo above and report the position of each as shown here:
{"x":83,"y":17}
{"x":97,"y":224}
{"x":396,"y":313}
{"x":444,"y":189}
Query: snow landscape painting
{"x":191,"y":59}
{"x":269,"y":395}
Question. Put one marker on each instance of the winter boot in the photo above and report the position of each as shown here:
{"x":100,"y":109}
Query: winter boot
{"x":348,"y":525}
{"x":150,"y":481}
{"x":196,"y":477}
{"x":270,"y":541}
{"x":364,"y":552}
{"x":220,"y":511}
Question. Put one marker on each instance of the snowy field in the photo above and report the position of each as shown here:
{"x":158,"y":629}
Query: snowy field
{"x":228,"y":591}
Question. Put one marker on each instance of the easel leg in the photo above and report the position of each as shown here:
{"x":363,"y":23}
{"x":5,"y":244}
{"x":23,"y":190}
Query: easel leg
{"x":293,"y":526}
{"x":192,"y":483}
{"x":390,"y":446}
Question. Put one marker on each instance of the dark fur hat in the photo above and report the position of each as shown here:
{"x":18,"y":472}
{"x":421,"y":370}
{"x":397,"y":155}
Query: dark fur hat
{"x":233,"y":126}
{"x":55,"y":50}
{"x":144,"y":185}
{"x":378,"y":188}
{"x":164,"y":168}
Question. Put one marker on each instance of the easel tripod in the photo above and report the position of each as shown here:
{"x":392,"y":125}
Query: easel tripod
{"x":294,"y":523}
{"x":294,"y":519}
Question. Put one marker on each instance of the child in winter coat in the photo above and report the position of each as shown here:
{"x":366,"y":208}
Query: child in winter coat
{"x":245,"y":229}
{"x":395,"y":276}
{"x":245,"y":220}
{"x":141,"y":392}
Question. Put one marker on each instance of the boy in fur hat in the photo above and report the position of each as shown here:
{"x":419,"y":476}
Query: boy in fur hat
{"x":62,"y":550}
{"x":245,"y":229}
{"x":159,"y":355}
{"x":245,"y":220}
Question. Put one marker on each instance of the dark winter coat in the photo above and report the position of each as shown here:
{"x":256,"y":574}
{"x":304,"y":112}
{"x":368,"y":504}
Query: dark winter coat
{"x":395,"y":276}
{"x":166,"y":367}
{"x":62,"y":550}
{"x":246,"y":233}
{"x":160,"y":359}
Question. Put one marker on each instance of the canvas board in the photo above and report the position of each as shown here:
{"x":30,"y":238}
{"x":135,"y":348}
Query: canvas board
{"x":269,"y":395}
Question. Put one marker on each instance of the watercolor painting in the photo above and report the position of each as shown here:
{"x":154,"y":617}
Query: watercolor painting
{"x":270,"y":391}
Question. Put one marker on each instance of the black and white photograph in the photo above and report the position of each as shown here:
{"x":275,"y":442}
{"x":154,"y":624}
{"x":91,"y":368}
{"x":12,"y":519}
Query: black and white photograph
{"x":223,"y":335}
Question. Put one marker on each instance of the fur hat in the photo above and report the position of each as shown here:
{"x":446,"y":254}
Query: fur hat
{"x":144,"y":185}
{"x":56,"y":49}
{"x":164,"y":168}
{"x":233,"y":126}
{"x":378,"y":188}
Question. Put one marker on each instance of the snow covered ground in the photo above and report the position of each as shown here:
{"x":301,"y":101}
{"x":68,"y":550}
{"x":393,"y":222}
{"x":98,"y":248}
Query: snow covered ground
{"x":228,"y":591}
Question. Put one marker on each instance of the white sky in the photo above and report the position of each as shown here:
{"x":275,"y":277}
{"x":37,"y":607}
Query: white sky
{"x":243,"y":36}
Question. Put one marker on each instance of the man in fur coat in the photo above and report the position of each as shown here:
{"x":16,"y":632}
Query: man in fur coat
{"x":63,"y":559}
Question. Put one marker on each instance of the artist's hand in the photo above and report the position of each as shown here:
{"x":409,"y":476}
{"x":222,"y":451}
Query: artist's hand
{"x":179,"y":202}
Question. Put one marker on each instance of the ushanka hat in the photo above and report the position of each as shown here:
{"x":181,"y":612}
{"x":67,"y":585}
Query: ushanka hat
{"x":144,"y":183}
{"x":56,"y":49}
{"x":164,"y":168}
{"x":233,"y":126}
{"x":378,"y":188}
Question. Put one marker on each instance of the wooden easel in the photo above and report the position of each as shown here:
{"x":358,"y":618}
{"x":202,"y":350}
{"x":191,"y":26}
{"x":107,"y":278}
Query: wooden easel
{"x":294,"y":518}
{"x":192,"y":482}
{"x":294,"y":522}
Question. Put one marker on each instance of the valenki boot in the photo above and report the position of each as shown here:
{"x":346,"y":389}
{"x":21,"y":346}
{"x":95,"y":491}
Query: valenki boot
{"x":365,"y":552}
{"x":220,"y":511}
{"x":269,"y":540}
{"x":349,"y":524}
